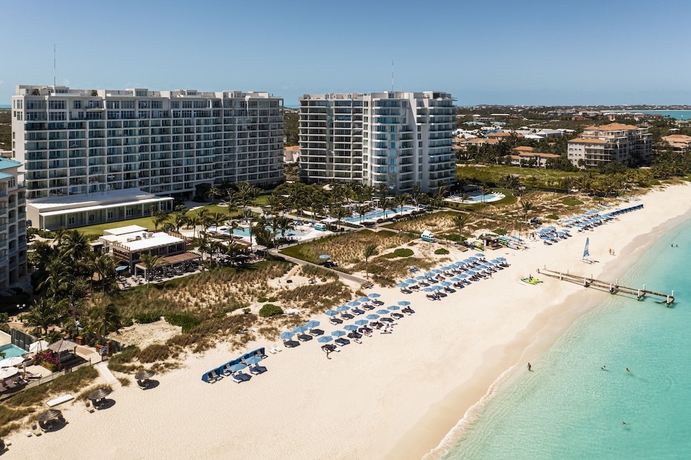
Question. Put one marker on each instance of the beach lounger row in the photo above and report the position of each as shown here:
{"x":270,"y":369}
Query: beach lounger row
{"x":233,"y":371}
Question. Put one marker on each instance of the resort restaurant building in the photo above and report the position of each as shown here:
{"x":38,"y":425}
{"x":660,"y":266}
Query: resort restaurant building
{"x":127,"y":244}
{"x":74,"y":211}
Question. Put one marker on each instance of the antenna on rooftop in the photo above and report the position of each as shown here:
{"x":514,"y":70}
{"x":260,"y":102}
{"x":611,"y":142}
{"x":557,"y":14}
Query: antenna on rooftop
{"x":392,"y":75}
{"x":54,"y":64}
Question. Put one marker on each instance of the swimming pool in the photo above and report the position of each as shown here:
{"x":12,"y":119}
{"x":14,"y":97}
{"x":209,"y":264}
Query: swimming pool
{"x":373,"y":215}
{"x":245,"y":231}
{"x":471,"y":199}
{"x":12,"y":350}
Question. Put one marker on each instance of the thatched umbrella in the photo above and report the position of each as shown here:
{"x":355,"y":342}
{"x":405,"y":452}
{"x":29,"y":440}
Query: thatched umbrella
{"x":144,"y":375}
{"x":50,"y":416}
{"x":99,"y":394}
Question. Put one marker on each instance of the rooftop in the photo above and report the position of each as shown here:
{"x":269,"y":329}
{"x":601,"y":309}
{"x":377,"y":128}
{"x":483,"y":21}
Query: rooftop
{"x":612,"y":127}
{"x":7,"y":164}
{"x":580,"y":140}
{"x":141,"y":240}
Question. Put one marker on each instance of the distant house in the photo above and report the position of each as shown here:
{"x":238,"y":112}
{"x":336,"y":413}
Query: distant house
{"x":525,"y":155}
{"x":291,"y":154}
{"x":478,"y":141}
{"x":678,"y":142}
{"x":599,"y":145}
{"x":503,"y":135}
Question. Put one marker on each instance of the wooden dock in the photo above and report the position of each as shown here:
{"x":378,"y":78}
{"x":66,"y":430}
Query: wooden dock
{"x":612,"y":288}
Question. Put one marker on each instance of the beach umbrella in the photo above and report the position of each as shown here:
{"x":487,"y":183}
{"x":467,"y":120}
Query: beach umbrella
{"x":436,"y":271}
{"x":38,"y":346}
{"x":394,"y":307}
{"x":374,"y":295}
{"x":420,"y":278}
{"x":350,"y":327}
{"x":343,"y":308}
{"x":99,"y":394}
{"x":144,"y":375}
{"x":11,"y":362}
{"x":331,"y":313}
{"x":403,"y":303}
{"x":361,"y":322}
{"x":354,"y":303}
{"x":254,"y":359}
{"x":402,"y":285}
{"x":338,"y":333}
{"x":437,"y":288}
{"x":412,"y":269}
{"x":8,"y":372}
{"x":237,"y":367}
{"x":382,"y":312}
{"x":446,"y":283}
{"x":372,"y":317}
{"x":324,"y":257}
{"x":325,"y":339}
{"x":501,"y":259}
{"x":312,"y":324}
{"x":429,"y":289}
{"x":49,"y":415}
{"x":480,"y":255}
{"x":363,"y":299}
{"x":472,"y":259}
{"x":300,"y":329}
{"x":287,"y":335}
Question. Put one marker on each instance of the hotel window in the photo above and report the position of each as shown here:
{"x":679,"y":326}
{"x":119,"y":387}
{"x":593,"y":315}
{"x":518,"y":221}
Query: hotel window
{"x":56,"y":105}
{"x":77,"y":104}
{"x":110,"y":214}
{"x":70,"y":220}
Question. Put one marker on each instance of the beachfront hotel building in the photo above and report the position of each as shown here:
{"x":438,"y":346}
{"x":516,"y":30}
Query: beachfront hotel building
{"x":120,"y":150}
{"x":13,"y":241}
{"x":400,"y":139}
{"x":598,"y":145}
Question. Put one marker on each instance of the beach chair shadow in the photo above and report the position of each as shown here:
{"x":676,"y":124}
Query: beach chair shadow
{"x":104,"y":404}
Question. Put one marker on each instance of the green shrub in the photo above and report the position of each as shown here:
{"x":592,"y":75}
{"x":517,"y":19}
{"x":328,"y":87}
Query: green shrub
{"x":183,"y":320}
{"x":403,"y":252}
{"x":120,"y":362}
{"x":148,"y":317}
{"x":552,"y":216}
{"x":154,"y":352}
{"x":270,"y":310}
{"x":441,"y":251}
{"x":571,"y":201}
{"x":499,"y":231}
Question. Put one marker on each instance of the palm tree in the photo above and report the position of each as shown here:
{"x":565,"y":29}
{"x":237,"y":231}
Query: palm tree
{"x":158,"y":219}
{"x":401,"y":200}
{"x":178,"y":219}
{"x":151,"y":262}
{"x":214,"y":193}
{"x":193,"y":221}
{"x":46,"y":313}
{"x":105,"y":319}
{"x":104,"y":266}
{"x":460,"y":221}
{"x":369,"y":251}
{"x":526,"y":207}
{"x":385,"y":203}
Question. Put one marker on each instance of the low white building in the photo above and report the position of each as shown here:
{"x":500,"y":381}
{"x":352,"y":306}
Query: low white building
{"x":127,"y":244}
{"x":74,"y":211}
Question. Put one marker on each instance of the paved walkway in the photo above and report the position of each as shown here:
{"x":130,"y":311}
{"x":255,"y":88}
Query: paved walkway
{"x":102,"y":369}
{"x":345,"y":276}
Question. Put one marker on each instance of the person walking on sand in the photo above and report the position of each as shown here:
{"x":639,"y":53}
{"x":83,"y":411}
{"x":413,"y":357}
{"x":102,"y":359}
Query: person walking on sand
{"x":530,"y":368}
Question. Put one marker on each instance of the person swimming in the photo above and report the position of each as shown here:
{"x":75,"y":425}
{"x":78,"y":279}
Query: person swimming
{"x":604,"y":368}
{"x":627,"y":370}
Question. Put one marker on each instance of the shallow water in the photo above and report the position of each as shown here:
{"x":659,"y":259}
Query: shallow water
{"x":569,"y":407}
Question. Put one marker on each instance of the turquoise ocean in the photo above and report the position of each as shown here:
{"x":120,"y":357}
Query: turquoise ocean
{"x":570,"y":408}
{"x":678,"y":114}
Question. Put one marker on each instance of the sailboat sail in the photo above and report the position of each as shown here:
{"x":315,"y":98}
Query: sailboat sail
{"x":586,"y":253}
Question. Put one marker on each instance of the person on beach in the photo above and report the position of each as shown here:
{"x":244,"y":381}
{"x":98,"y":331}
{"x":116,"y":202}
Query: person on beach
{"x":604,"y":368}
{"x":530,"y":368}
{"x":627,"y":370}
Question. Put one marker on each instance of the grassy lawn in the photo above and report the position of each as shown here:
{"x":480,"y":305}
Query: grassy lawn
{"x":262,"y":200}
{"x":494,"y":173}
{"x":98,"y":229}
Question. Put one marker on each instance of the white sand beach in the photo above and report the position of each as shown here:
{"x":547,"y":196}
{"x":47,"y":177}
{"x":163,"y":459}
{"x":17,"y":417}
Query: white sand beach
{"x":393,"y":396}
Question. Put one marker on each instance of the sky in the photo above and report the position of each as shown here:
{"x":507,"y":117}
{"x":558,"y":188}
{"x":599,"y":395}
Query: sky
{"x":483,"y":52}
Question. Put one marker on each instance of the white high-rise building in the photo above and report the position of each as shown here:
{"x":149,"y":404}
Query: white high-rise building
{"x":400,"y":139}
{"x":13,"y":242}
{"x":83,"y":144}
